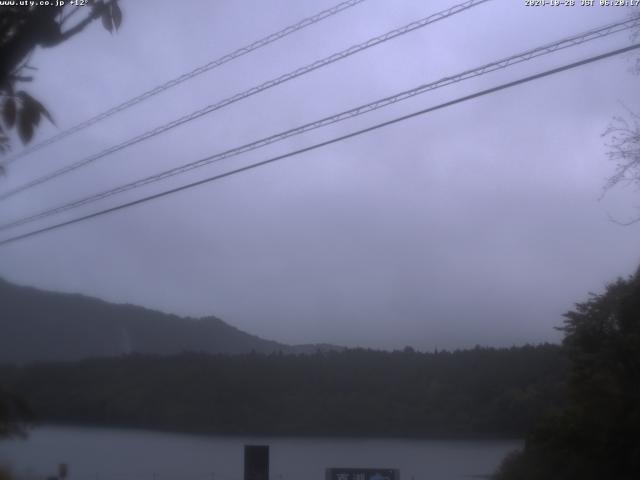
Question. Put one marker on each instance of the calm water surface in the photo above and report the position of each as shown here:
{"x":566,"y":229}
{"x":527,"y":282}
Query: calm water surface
{"x":114,"y":454}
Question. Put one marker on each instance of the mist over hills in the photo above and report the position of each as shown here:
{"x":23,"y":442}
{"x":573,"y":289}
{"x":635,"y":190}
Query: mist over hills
{"x":171,"y":373}
{"x":42,"y":326}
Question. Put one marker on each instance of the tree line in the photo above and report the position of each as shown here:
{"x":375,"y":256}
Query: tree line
{"x":476,"y":392}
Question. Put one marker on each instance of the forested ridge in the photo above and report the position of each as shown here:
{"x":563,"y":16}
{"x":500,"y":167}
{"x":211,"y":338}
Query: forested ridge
{"x":477,"y":392}
{"x":41,"y":326}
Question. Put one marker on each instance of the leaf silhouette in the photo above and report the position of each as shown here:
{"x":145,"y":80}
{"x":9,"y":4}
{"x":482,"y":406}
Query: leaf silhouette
{"x":116,"y":15}
{"x":46,"y":113}
{"x":9,"y":112}
{"x":107,"y":21}
{"x":30,"y":111}
{"x":34,"y":108}
{"x":39,"y":108}
{"x":25,"y":126}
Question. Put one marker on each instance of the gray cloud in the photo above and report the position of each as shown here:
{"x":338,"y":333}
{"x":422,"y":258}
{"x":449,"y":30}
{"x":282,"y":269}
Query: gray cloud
{"x":475,"y":224}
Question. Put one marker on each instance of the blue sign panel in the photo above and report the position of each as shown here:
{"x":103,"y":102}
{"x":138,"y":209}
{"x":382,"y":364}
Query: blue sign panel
{"x":362,"y":474}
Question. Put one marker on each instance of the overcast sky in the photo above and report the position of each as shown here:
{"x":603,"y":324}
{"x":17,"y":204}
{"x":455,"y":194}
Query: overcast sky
{"x":477,"y":224}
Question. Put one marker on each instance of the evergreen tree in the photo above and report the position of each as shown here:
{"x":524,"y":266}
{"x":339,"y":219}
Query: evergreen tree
{"x":598,"y":435}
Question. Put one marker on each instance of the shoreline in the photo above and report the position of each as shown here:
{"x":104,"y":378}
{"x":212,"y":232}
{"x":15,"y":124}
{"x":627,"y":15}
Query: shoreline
{"x":279,"y":436}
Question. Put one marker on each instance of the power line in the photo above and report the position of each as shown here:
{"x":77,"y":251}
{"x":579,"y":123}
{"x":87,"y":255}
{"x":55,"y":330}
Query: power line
{"x":189,"y":75}
{"x":252,"y":91}
{"x":325,"y":143}
{"x":354,"y":112}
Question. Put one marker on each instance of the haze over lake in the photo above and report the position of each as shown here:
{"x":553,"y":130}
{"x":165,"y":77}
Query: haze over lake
{"x":361,"y":233}
{"x":116,"y":454}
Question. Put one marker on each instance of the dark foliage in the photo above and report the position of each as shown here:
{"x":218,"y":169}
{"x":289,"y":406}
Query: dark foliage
{"x":598,"y":434}
{"x":15,"y":414}
{"x":483,"y":391}
{"x":23,"y":28}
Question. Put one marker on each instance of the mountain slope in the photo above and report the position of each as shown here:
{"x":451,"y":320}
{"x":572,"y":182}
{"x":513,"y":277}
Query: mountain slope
{"x":37,"y":325}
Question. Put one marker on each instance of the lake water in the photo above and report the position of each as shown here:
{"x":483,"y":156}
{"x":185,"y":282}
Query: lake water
{"x":116,"y":454}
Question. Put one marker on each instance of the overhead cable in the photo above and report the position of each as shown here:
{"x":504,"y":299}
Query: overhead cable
{"x":250,"y":92}
{"x":322,"y":144}
{"x":187,"y":76}
{"x":347,"y":114}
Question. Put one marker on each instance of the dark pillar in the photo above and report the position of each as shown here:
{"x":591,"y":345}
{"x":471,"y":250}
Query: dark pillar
{"x":256,"y":462}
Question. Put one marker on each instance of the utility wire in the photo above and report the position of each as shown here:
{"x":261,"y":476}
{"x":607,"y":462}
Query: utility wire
{"x":325,"y":143}
{"x":252,"y":91}
{"x":354,"y":112}
{"x":187,"y":76}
